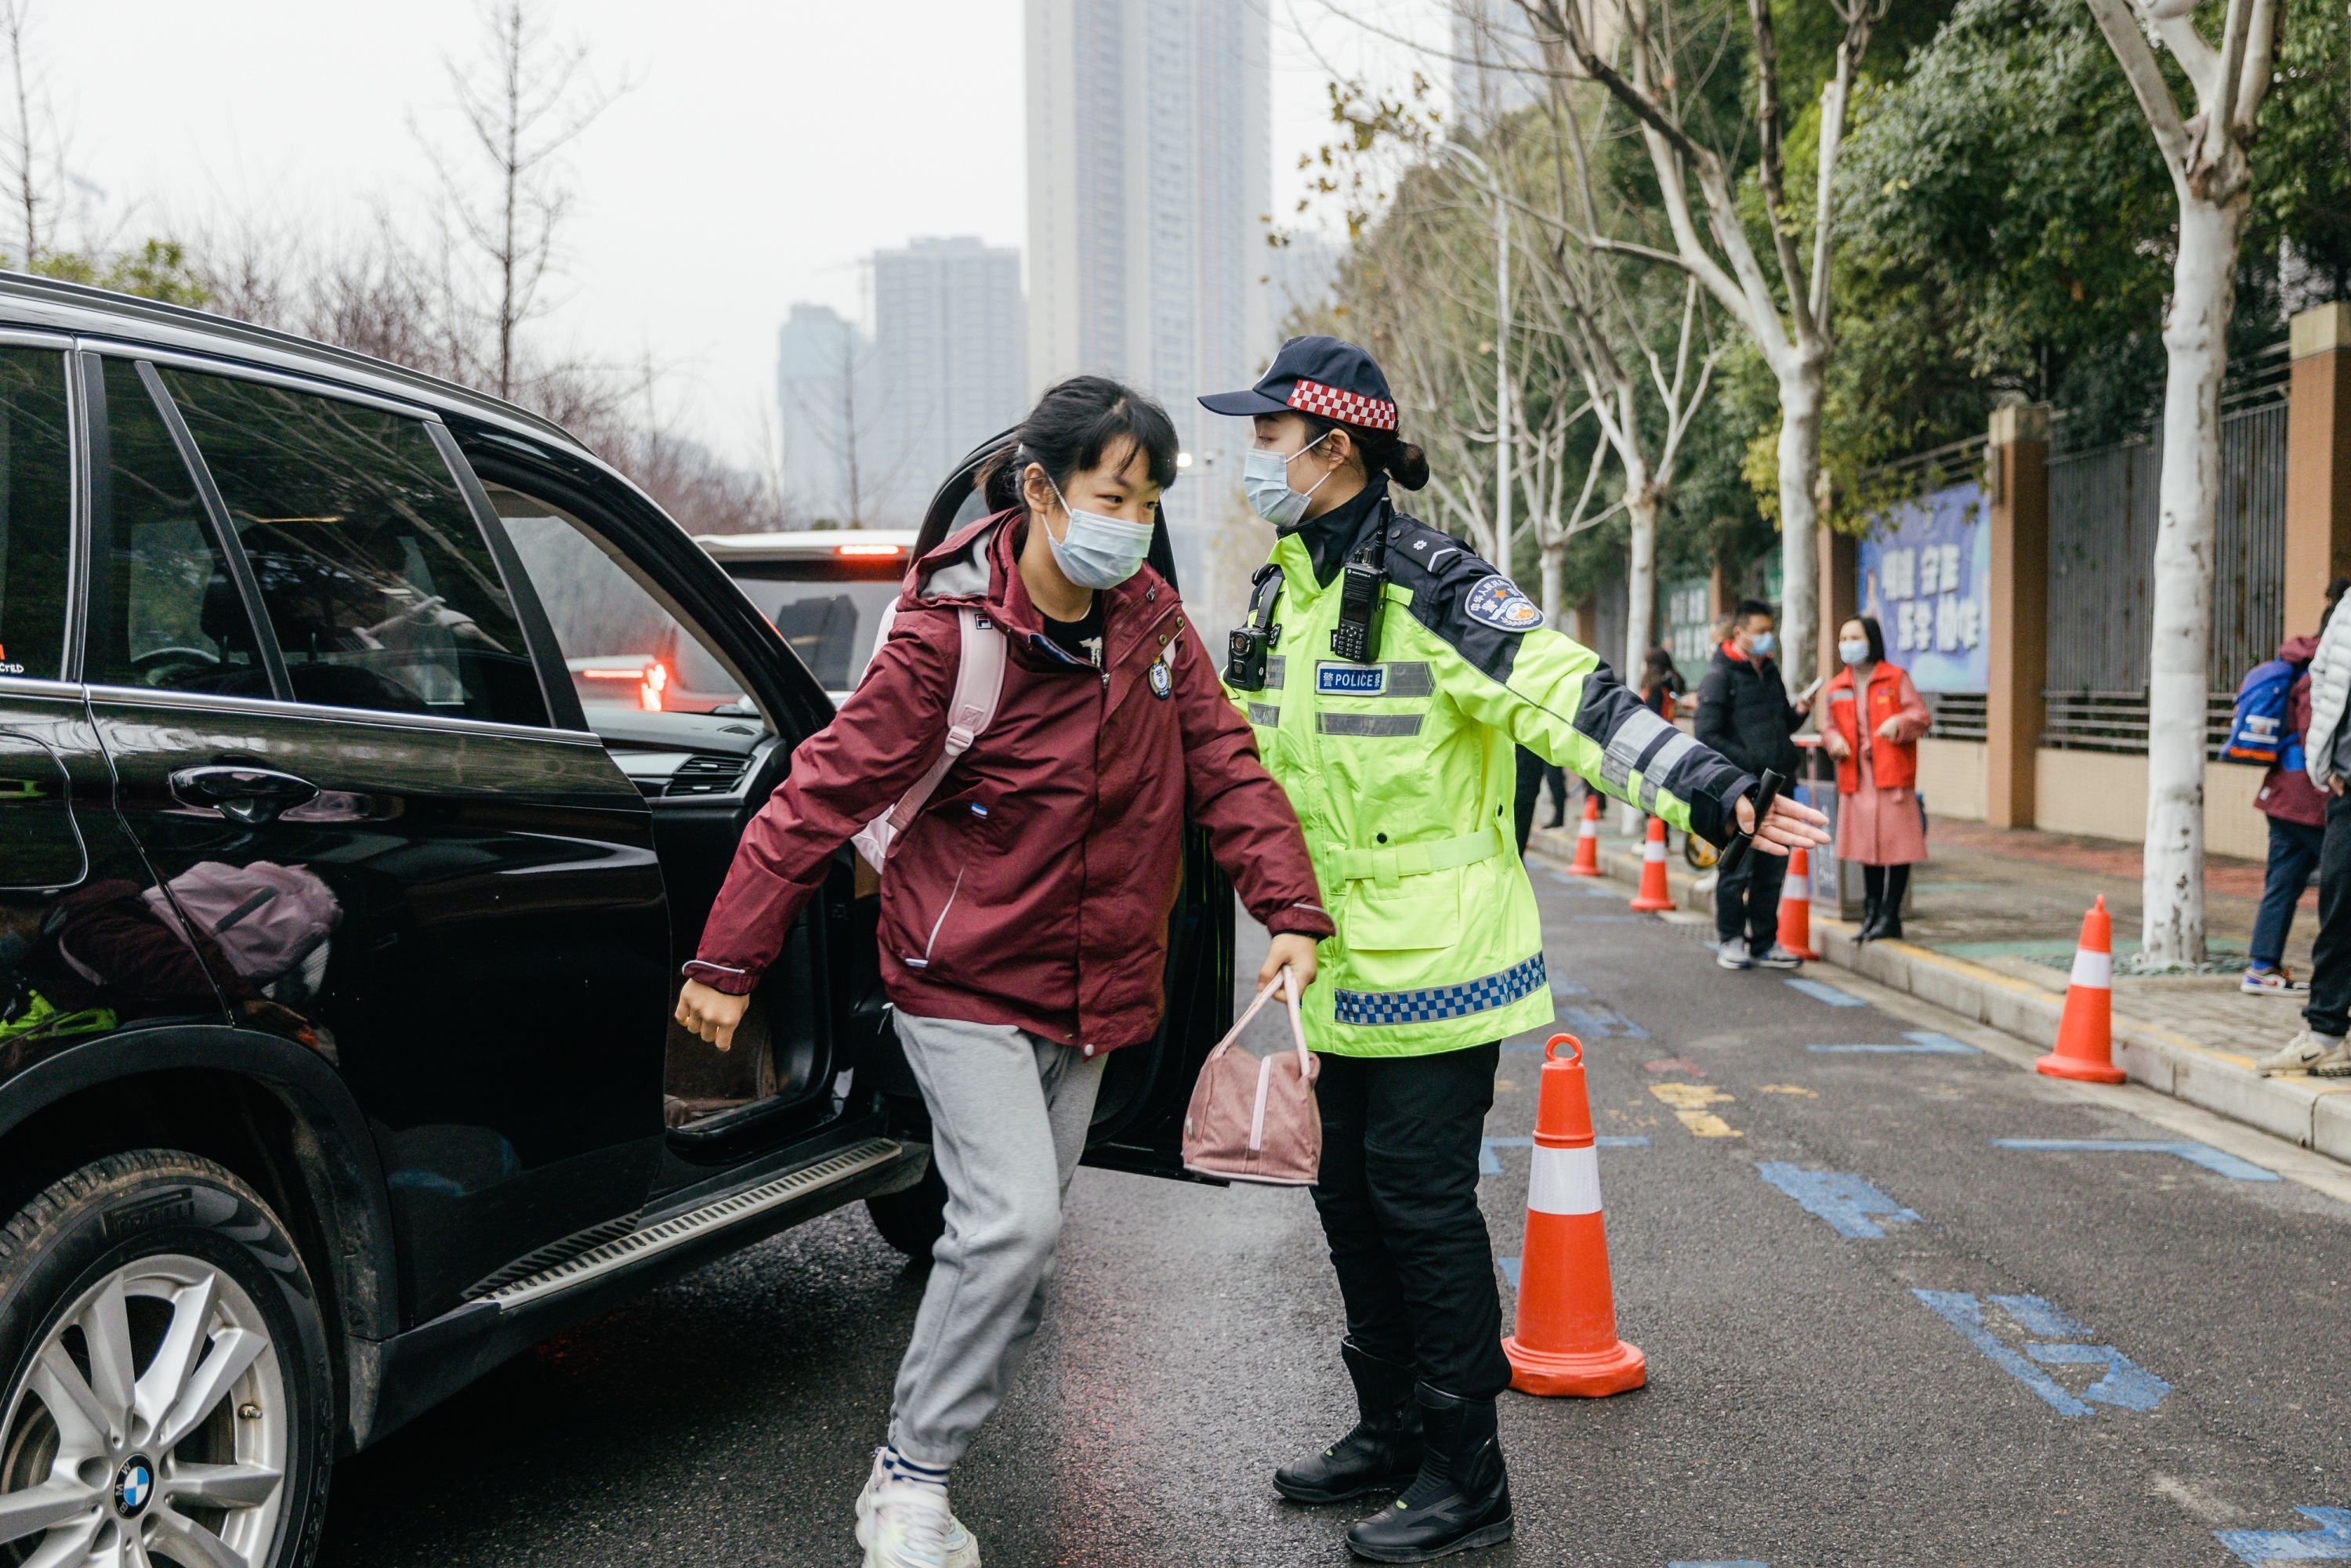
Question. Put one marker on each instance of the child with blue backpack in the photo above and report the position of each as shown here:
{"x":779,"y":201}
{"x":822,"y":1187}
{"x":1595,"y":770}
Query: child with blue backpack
{"x":2272,"y":717}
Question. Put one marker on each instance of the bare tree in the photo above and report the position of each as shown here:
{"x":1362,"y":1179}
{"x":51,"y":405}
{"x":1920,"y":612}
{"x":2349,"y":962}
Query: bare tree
{"x":2211,"y":175}
{"x":528,"y":99}
{"x":1636,"y":49}
{"x":34,"y":174}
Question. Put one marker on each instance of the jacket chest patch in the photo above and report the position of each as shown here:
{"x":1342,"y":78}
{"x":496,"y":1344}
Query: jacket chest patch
{"x":1352,"y":680}
{"x":1162,"y":681}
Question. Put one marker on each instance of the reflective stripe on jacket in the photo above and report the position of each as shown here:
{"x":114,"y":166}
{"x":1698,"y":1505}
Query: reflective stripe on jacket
{"x":1404,"y":776}
{"x":1893,"y":765}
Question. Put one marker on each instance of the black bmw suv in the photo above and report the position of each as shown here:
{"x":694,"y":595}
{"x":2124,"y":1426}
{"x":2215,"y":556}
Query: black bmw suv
{"x":341,"y":904}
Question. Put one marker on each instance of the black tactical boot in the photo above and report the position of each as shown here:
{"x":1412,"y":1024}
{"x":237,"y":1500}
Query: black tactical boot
{"x":1461,"y":1499}
{"x":1382,"y":1454}
{"x":1868,"y":930}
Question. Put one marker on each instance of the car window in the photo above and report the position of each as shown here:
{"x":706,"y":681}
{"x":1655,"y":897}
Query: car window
{"x":36,"y":512}
{"x":165,"y":612}
{"x":625,"y":646}
{"x":374,"y":575}
{"x":829,"y":621}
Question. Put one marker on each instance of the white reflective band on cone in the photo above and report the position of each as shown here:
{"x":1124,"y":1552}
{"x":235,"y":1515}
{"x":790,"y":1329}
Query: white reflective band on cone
{"x":1564,"y":1181}
{"x":2095,"y":970}
{"x":1587,"y":828}
{"x":1653,"y":850}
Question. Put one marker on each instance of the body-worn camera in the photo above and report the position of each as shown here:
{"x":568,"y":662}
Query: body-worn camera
{"x":1249,"y":644}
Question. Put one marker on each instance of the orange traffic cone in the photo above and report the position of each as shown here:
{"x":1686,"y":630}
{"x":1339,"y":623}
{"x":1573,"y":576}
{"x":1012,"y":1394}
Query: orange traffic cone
{"x":2085,"y":1046}
{"x":1796,"y":906}
{"x":1566,"y":1339}
{"x":1655,"y":893}
{"x":1587,"y":839}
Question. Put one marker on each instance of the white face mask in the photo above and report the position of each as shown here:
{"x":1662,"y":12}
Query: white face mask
{"x":1853,"y":652}
{"x":1266,"y":476}
{"x":1096,"y":550}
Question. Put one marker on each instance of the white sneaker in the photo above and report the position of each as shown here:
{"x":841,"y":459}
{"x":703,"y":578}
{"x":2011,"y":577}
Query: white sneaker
{"x":902,"y":1525}
{"x":1779,"y":957}
{"x":1732,"y":955}
{"x":2316,"y":1055}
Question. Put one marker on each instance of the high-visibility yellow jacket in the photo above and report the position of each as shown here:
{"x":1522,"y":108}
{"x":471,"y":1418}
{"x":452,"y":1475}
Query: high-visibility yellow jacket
{"x":1402,"y":774}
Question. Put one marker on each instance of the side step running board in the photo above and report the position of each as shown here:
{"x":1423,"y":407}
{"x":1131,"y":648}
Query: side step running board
{"x":678,"y":1229}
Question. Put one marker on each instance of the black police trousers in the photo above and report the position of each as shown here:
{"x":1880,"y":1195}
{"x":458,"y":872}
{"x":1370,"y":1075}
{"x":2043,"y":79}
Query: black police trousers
{"x":1398,"y":1196}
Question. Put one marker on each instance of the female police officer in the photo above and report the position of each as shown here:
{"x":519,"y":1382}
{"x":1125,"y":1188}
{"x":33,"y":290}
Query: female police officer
{"x":1387,"y":673}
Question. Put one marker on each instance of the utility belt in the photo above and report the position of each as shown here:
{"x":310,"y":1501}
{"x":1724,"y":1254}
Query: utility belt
{"x":1387,"y":866}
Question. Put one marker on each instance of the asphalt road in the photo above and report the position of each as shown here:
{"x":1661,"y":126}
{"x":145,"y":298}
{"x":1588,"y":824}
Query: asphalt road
{"x":1818,"y":1393}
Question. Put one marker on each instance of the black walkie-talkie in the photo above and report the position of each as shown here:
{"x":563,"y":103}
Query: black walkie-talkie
{"x":1734,"y":853}
{"x":1361,"y":596}
{"x":1248,"y":646}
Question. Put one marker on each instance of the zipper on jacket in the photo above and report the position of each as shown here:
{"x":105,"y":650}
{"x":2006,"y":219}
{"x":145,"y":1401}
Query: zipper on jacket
{"x":933,"y":939}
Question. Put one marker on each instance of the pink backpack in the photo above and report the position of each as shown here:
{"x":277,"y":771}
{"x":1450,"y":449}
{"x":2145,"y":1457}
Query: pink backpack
{"x":979,"y":687}
{"x":1256,"y":1120}
{"x":265,"y":918}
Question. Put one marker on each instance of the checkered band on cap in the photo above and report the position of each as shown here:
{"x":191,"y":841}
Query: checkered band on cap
{"x":1346,"y":407}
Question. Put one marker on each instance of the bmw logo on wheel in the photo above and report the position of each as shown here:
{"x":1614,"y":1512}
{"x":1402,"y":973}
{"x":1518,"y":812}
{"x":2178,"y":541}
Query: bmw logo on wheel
{"x":134,"y":1485}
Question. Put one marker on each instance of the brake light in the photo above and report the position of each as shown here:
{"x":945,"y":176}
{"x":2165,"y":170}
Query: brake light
{"x":869,"y":551}
{"x":611,"y":675}
{"x":649,"y":695}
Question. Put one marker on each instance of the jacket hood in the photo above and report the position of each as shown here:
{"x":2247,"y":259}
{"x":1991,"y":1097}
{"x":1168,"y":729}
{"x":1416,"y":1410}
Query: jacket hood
{"x":2298,"y":650}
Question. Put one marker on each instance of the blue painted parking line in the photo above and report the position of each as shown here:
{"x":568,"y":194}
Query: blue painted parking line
{"x":2126,"y":1384}
{"x":1850,"y":1205}
{"x":2217,"y":1161}
{"x":1721,"y":1562}
{"x":2330,"y":1543}
{"x":1598,"y":1020}
{"x":1921,"y":1042}
{"x":1510,"y":1268}
{"x":1487,"y":1165}
{"x":1822,"y":991}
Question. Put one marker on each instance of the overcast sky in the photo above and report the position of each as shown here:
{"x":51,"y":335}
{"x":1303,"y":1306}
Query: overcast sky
{"x":761,"y":151}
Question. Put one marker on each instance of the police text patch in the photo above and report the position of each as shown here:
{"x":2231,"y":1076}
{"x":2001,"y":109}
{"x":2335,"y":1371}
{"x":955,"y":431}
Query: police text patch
{"x":1352,"y":680}
{"x":1496,"y":601}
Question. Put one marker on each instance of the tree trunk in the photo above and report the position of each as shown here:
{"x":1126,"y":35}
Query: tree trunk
{"x":1800,"y":388}
{"x":1640,"y":582}
{"x":2195,"y":340}
{"x":1554,"y":577}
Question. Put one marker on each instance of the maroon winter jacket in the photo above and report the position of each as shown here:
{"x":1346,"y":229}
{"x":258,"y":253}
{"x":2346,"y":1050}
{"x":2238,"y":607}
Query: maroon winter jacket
{"x":1035,"y":888}
{"x":2287,"y":793}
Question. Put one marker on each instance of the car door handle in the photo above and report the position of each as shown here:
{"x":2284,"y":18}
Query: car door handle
{"x":240,"y":792}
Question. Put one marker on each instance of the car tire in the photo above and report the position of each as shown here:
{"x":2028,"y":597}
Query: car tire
{"x":913,"y":1220}
{"x":166,"y":1371}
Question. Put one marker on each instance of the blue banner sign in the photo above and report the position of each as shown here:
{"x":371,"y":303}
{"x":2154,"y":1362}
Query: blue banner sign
{"x":1926,"y":573}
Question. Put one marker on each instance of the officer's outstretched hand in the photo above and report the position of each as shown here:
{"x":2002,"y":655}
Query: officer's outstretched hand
{"x":1293,"y":949}
{"x":1789,"y":825}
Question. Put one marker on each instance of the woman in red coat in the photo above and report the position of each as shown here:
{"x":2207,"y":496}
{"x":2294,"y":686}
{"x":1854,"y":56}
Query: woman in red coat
{"x":1874,"y":720}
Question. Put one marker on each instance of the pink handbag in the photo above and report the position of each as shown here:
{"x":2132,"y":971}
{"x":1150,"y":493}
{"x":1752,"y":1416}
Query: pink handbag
{"x":1253,"y":1120}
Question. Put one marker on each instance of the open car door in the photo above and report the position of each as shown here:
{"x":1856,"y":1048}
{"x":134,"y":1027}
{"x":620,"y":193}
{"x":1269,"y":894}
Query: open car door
{"x":1138,"y":1122}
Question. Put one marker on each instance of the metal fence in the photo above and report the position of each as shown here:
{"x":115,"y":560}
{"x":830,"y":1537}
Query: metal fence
{"x":2102,"y":527}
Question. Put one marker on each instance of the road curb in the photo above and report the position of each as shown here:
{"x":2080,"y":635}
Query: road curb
{"x":2295,"y":1109}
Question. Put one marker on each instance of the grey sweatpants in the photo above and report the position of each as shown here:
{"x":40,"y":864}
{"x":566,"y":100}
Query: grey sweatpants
{"x":1009,"y":1118}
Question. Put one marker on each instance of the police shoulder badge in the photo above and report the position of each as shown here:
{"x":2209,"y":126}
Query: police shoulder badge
{"x":1162,"y":680}
{"x":1496,"y":602}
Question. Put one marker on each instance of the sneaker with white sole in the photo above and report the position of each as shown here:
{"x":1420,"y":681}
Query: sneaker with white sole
{"x":1779,"y":957}
{"x":902,"y":1525}
{"x":1732,"y":955}
{"x":2277,"y":982}
{"x":2321,"y":1056}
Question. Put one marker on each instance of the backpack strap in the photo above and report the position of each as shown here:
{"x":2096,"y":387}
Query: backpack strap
{"x":979,"y":688}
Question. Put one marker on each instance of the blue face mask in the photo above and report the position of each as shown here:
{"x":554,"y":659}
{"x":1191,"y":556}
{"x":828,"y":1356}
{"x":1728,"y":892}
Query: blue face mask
{"x":1096,"y":550}
{"x":1762,"y":644}
{"x":1266,"y":476}
{"x":1853,"y":652}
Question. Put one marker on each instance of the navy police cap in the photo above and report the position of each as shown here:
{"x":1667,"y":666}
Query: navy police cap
{"x":1320,"y":376}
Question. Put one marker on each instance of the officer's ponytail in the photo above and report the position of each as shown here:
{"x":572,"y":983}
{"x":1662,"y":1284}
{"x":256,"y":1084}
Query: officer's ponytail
{"x":1380,"y":450}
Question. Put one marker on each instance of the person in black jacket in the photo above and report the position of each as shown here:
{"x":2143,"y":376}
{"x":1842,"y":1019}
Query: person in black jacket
{"x":1744,"y":713}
